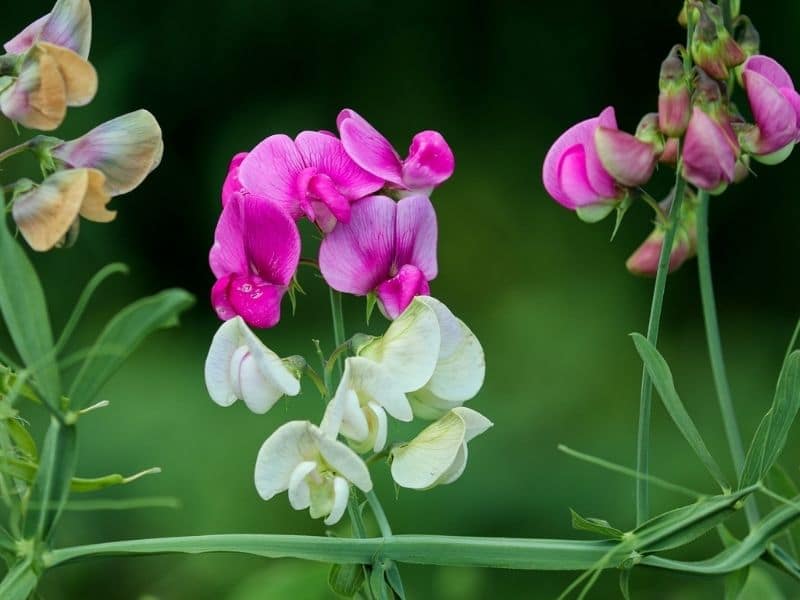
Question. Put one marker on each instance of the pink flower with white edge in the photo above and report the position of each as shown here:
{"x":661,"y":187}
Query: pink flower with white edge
{"x":588,"y":167}
{"x":255,"y":255}
{"x":68,"y":25}
{"x":709,"y":153}
{"x":775,"y":104}
{"x":388,"y":248}
{"x":309,"y":176}
{"x":430,"y":161}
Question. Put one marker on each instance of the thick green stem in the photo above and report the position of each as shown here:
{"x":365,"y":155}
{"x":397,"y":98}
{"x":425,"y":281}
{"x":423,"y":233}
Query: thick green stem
{"x":653,"y":326}
{"x":715,"y":349}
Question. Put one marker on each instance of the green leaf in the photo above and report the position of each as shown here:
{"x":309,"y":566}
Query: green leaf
{"x":661,"y":376}
{"x":735,"y":582}
{"x":50,"y":489}
{"x":346,"y":580}
{"x":622,"y":209}
{"x":625,"y":583}
{"x":22,"y":439}
{"x":24,"y":310}
{"x":83,"y":301}
{"x":773,"y":431}
{"x":121,"y":337}
{"x":781,"y":483}
{"x":394,"y":579}
{"x":28,"y":471}
{"x":377,"y":582}
{"x":598,"y":526}
{"x":19,"y":582}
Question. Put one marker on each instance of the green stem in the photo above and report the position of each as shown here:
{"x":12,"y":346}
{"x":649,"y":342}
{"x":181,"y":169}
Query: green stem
{"x":14,"y":150}
{"x":654,"y":323}
{"x":715,"y":349}
{"x":380,"y":515}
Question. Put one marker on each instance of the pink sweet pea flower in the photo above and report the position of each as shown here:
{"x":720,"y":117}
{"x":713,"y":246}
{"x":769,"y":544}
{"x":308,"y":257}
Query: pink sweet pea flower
{"x":709,"y":153}
{"x":775,"y":104}
{"x":311,"y":176}
{"x":68,"y":25}
{"x":255,"y":255}
{"x":388,"y":248}
{"x":430,"y":161}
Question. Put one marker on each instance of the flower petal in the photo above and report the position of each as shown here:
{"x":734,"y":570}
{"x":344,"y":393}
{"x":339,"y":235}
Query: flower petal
{"x":80,"y":77}
{"x":256,"y":300}
{"x":474,"y":422}
{"x":374,"y":383}
{"x":27,"y":37}
{"x":38,"y":98}
{"x":271,"y":366}
{"x":93,"y":207}
{"x":356,"y":256}
{"x":380,"y":424}
{"x":280,"y":455}
{"x":270,"y":171}
{"x":327,"y":154}
{"x":430,"y":161}
{"x":232,"y":185}
{"x":709,"y":156}
{"x":259,"y":393}
{"x":774,"y":114}
{"x":395,"y":294}
{"x":416,"y":235}
{"x":630,"y":161}
{"x":70,"y":25}
{"x":299,"y":493}
{"x":219,"y":298}
{"x":271,"y":241}
{"x":227,"y":255}
{"x":343,"y":460}
{"x":456,"y":470}
{"x":574,"y":181}
{"x":602,"y":182}
{"x":218,"y":362}
{"x":341,"y":494}
{"x":368,"y":148}
{"x":769,"y":68}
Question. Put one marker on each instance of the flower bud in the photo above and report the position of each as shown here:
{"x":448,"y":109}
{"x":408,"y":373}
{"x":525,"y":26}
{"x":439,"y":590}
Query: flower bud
{"x":629,"y":161}
{"x":125,"y":149}
{"x":644,"y":261}
{"x":709,"y":153}
{"x":649,"y":132}
{"x":674,"y":100}
{"x":747,"y":36}
{"x":713,"y":48}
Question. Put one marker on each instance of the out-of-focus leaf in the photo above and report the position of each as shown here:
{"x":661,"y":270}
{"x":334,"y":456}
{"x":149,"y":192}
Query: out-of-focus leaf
{"x":782,"y":484}
{"x":346,"y":580}
{"x":28,"y":471}
{"x":598,"y":526}
{"x":377,"y":582}
{"x":19,"y":582}
{"x":22,"y":439}
{"x":625,"y":583}
{"x":761,"y":586}
{"x":24,"y":310}
{"x":662,"y":380}
{"x":121,"y":337}
{"x":770,"y":437}
{"x":735,"y":582}
{"x":394,"y":579}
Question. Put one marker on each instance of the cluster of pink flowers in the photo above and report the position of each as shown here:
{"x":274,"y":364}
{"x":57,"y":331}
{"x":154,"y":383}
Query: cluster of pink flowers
{"x":594,"y":168}
{"x":371,"y":206}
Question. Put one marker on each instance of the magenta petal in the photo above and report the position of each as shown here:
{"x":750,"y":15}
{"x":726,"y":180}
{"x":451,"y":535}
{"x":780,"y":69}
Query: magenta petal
{"x":430,"y":161}
{"x":416,"y":235}
{"x":232,"y":185}
{"x":271,"y":241}
{"x":709,"y":159}
{"x":27,"y":37}
{"x":227,"y":255}
{"x":774,"y":114}
{"x":327,"y":154}
{"x":219,"y":299}
{"x":398,"y":292}
{"x":794,"y":99}
{"x":257,"y":301}
{"x":629,"y":160}
{"x":573,"y":180}
{"x":322,"y":187}
{"x":368,"y":148}
{"x":600,"y":179}
{"x":356,"y":256}
{"x":270,"y":171}
{"x":769,"y":68}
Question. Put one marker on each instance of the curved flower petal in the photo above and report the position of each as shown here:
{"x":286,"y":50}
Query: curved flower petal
{"x":602,"y":181}
{"x":69,"y":24}
{"x":709,"y":155}
{"x":774,"y":113}
{"x":93,"y":207}
{"x":227,"y":255}
{"x":574,"y":180}
{"x":356,"y":256}
{"x":372,"y":382}
{"x":259,"y":393}
{"x":368,"y":148}
{"x":379,"y":425}
{"x":455,"y":470}
{"x":80,"y":77}
{"x":232,"y":185}
{"x":343,"y":460}
{"x":272,"y":367}
{"x":27,"y":37}
{"x":38,"y":98}
{"x":630,"y":161}
{"x":270,"y":171}
{"x":299,"y":493}
{"x":219,"y":298}
{"x":256,"y":300}
{"x":288,"y":447}
{"x":474,"y":422}
{"x":327,"y":154}
{"x":430,"y":161}
{"x":271,"y":241}
{"x":769,"y":68}
{"x":395,"y":294}
{"x":218,"y":362}
{"x":416,"y":235}
{"x":341,"y":494}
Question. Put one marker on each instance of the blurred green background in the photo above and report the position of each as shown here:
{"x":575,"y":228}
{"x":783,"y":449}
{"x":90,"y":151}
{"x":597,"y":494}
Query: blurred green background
{"x":548,"y":296}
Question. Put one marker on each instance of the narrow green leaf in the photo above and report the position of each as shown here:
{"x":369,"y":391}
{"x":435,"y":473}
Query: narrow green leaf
{"x":27,"y":471}
{"x":598,"y":526}
{"x":779,"y":558}
{"x":83,"y":301}
{"x":625,"y":583}
{"x":51,"y":487}
{"x":773,"y":431}
{"x":121,"y":337}
{"x":372,"y":300}
{"x":394,"y":579}
{"x":24,"y":310}
{"x":782,"y":484}
{"x":19,"y":582}
{"x":661,"y":376}
{"x":377,"y":582}
{"x":22,"y":439}
{"x":735,"y":582}
{"x":346,"y":580}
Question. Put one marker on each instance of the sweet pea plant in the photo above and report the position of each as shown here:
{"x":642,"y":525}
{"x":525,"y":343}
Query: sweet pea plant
{"x":378,"y":229}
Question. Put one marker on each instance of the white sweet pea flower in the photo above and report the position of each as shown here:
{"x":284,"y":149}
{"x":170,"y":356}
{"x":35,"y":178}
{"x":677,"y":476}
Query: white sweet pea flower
{"x":438,"y":455}
{"x":240,"y":366}
{"x":376,"y":381}
{"x":316,"y":471}
{"x":460,"y":368}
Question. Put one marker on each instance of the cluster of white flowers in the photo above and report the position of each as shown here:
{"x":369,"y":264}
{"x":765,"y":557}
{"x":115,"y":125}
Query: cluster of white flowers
{"x":426,"y":365}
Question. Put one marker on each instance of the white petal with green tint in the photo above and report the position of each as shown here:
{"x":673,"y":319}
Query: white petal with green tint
{"x":341,"y":493}
{"x":289,"y":446}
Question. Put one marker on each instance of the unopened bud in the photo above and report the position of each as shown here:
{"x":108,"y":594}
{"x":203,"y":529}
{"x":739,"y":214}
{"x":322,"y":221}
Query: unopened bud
{"x":713,"y":48}
{"x":674,"y":100}
{"x":747,"y":36}
{"x":648,"y":131}
{"x":644,"y":261}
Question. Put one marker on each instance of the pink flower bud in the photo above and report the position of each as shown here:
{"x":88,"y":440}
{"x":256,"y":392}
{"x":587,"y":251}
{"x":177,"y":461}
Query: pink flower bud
{"x":644,"y":261}
{"x":629,"y":161}
{"x":713,"y":48}
{"x":709,"y":153}
{"x":649,"y":132}
{"x":674,"y":100}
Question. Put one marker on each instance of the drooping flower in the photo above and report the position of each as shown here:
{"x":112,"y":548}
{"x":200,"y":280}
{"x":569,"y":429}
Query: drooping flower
{"x":316,"y":470}
{"x":775,"y":104}
{"x":240,"y":366}
{"x":438,"y":455}
{"x":377,"y":380}
{"x":68,"y":25}
{"x":125,"y":149}
{"x":388,"y":248}
{"x":709,"y":153}
{"x":580,"y":168}
{"x":311,"y":175}
{"x":430,"y":161}
{"x":255,"y":255}
{"x":460,"y":366}
{"x":45,"y":213}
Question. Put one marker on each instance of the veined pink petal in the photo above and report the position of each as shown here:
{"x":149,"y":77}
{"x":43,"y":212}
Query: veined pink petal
{"x":709,"y":157}
{"x":232,"y":185}
{"x":356,"y":256}
{"x":228,"y":255}
{"x":430,"y":161}
{"x":629,"y":160}
{"x":573,"y":182}
{"x":257,"y":301}
{"x":70,"y":25}
{"x":769,"y":68}
{"x":602,"y":182}
{"x":271,"y":241}
{"x":416,"y":235}
{"x":270,"y":171}
{"x":774,"y":113}
{"x":368,"y":148}
{"x":398,"y":292}
{"x":322,"y":186}
{"x":328,"y":155}
{"x":27,"y":37}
